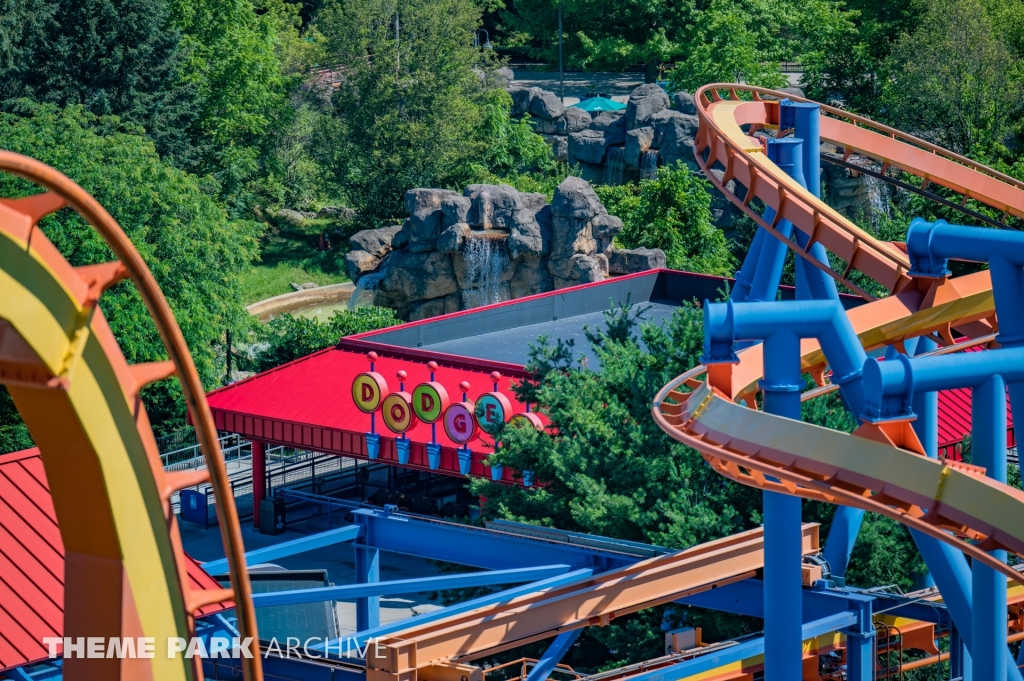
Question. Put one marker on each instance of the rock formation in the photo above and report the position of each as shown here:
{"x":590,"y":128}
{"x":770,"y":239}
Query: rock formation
{"x":488,"y":244}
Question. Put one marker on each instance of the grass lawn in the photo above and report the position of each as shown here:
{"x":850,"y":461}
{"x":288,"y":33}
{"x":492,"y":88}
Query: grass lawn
{"x":289,"y":254}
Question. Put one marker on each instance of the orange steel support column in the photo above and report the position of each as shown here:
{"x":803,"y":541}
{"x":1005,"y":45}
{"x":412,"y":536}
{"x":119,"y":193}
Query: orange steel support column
{"x":259,"y":479}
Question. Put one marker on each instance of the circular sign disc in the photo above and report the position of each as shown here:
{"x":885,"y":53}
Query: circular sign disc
{"x":429,"y":400}
{"x":527,"y":418}
{"x":368,"y":389}
{"x":491,"y":411}
{"x":398,"y":412}
{"x":459,"y":423}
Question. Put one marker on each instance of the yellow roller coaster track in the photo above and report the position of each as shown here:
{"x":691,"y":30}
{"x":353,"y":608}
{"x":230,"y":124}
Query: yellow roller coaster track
{"x":125,"y":574}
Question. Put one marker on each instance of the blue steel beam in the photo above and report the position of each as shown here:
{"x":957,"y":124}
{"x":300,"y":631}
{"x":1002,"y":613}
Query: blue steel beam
{"x":407,"y":586}
{"x":743,"y":651}
{"x":747,"y":598}
{"x":506,"y":596}
{"x":781,"y":326}
{"x":553,"y":655}
{"x":290,"y":548}
{"x":478,"y":547}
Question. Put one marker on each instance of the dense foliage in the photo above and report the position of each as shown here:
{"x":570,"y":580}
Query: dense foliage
{"x":409,"y":110}
{"x":673,"y":213}
{"x":286,"y":337}
{"x":193,"y":248}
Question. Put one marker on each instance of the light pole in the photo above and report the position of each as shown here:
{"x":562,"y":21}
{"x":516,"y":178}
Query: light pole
{"x":487,"y":39}
{"x":561,"y":75}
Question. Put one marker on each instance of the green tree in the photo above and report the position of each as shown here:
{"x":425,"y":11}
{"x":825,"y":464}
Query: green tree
{"x":233,"y":63}
{"x":601,"y":35}
{"x":193,"y":249}
{"x":732,"y":40}
{"x":286,"y":337}
{"x":954,"y":80}
{"x":673,"y":213}
{"x":410,"y":108}
{"x":113,"y":57}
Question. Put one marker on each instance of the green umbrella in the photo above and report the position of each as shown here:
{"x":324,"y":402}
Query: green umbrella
{"x":597,"y":104}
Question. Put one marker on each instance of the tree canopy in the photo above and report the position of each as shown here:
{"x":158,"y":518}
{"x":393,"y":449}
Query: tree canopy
{"x":193,"y":248}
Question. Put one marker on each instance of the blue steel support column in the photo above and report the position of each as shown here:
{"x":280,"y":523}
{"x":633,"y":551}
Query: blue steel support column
{"x":553,"y":655}
{"x":367,"y":570}
{"x":860,"y":646}
{"x":782,"y":579}
{"x":805,"y":119}
{"x":785,"y":153}
{"x":889,"y":387}
{"x":781,"y":326}
{"x":745,"y":275}
{"x":959,"y":658}
{"x":988,"y":449}
{"x":930,"y":244}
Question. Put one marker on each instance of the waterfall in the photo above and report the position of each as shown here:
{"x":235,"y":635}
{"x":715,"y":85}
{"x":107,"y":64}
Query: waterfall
{"x":878,"y":197}
{"x":614,"y":166}
{"x":366,"y":288}
{"x":485,"y":263}
{"x":649,"y":165}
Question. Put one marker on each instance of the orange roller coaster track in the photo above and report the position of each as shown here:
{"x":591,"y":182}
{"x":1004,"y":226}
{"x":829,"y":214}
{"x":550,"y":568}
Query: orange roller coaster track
{"x":125,"y":574}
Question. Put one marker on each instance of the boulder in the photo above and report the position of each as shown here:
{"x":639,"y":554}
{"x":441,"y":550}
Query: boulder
{"x":453,"y":238}
{"x":610,"y":122}
{"x":605,"y":226}
{"x":684,"y":102}
{"x":531,"y":277}
{"x":543,"y":126}
{"x":289,"y":215}
{"x":560,"y":149}
{"x":547,"y":105}
{"x":521,"y":99}
{"x":574,"y":120}
{"x":492,"y":206}
{"x":628,"y":261}
{"x":602,"y":262}
{"x":504,"y":76}
{"x":574,"y":206}
{"x":401,"y":240}
{"x":579,"y":269}
{"x":644,"y":102}
{"x":358,"y":263}
{"x":423,"y":228}
{"x":675,"y":141}
{"x":637,"y":142}
{"x":377,"y":242}
{"x":336,"y":213}
{"x":434,"y":307}
{"x":531,"y":234}
{"x":417,"y":200}
{"x":587,"y":146}
{"x":419,"y":276}
{"x":454,"y":210}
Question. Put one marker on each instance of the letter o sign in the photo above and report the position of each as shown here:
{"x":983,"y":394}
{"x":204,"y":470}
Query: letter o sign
{"x":491,"y":411}
{"x":398,"y":412}
{"x":368,"y":389}
{"x":459,"y":423}
{"x":429,"y":400}
{"x":527,"y":419}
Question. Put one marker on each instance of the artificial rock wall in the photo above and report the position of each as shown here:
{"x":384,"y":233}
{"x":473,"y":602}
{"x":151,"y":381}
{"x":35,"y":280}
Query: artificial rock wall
{"x":490,"y":243}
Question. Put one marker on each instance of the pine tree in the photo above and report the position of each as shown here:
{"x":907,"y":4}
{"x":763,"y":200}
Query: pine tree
{"x":113,"y":57}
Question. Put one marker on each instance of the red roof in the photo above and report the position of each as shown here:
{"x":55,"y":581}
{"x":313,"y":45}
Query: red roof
{"x":308,"y":402}
{"x":32,"y":563}
{"x":955,"y":421}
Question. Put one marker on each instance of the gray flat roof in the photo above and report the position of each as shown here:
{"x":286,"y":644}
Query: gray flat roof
{"x":503,"y":332}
